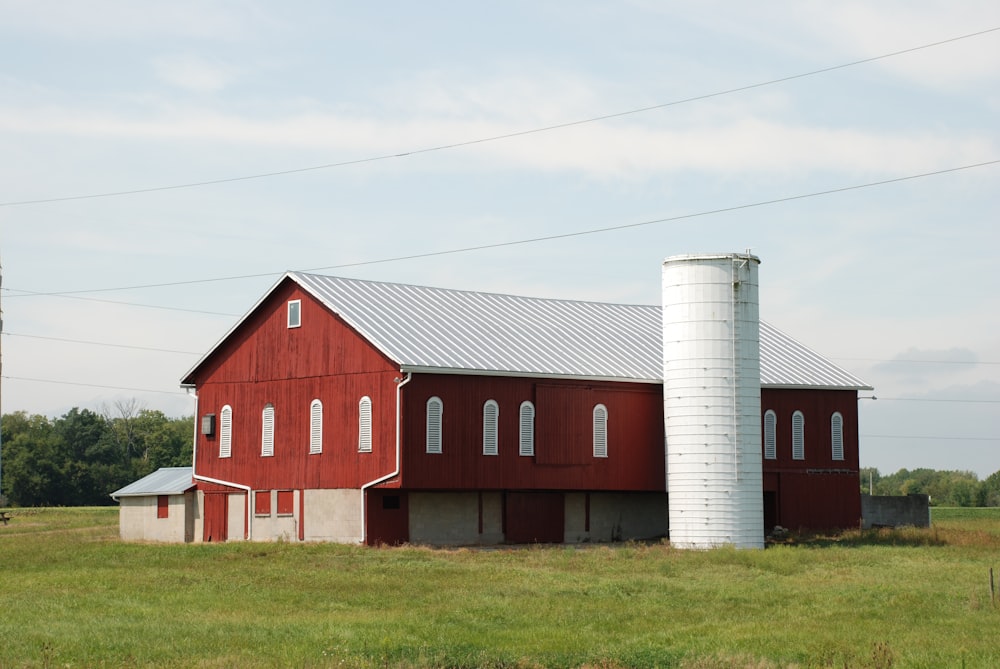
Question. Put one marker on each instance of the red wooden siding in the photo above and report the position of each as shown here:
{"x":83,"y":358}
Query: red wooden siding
{"x":387,"y":516}
{"x":265,"y":362}
{"x":818,"y":492}
{"x":216,"y":527}
{"x":563,"y":435}
{"x":817,"y":407}
{"x":534,"y":517}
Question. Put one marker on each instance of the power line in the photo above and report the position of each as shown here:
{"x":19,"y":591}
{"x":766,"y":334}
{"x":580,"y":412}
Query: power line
{"x":495,"y":138}
{"x":100,"y":343}
{"x":92,"y":385}
{"x":72,"y":296}
{"x":533,"y":240}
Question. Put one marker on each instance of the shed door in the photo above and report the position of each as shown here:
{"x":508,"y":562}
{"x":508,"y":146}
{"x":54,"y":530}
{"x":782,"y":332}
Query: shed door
{"x":216,"y":515}
{"x":535,"y":517}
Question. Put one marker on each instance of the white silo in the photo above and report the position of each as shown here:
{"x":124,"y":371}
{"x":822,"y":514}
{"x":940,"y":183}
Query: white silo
{"x":711,"y":400}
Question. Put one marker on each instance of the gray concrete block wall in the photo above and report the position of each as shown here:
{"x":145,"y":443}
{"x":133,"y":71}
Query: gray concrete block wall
{"x":895,"y":511}
{"x":332,"y":515}
{"x":138,"y":521}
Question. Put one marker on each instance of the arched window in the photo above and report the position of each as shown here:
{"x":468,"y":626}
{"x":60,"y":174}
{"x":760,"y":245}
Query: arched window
{"x":837,"y":435}
{"x":316,"y":427}
{"x":365,"y":425}
{"x":600,"y":431}
{"x":798,"y":436}
{"x":226,"y":432}
{"x":491,"y":416}
{"x":435,"y":412}
{"x":526,"y":436}
{"x":267,"y":431}
{"x":770,"y":435}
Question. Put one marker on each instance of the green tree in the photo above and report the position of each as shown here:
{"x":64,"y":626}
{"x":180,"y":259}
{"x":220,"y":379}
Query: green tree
{"x":83,"y":456}
{"x":989,"y":491}
{"x":31,"y":457}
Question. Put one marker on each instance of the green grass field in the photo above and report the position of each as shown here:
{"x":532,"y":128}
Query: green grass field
{"x":72,"y":595}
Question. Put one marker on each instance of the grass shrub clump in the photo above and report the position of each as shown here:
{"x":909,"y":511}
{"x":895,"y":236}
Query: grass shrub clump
{"x":72,"y":594}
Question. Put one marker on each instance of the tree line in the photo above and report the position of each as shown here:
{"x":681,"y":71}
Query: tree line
{"x":80,"y":458}
{"x":946,"y":488}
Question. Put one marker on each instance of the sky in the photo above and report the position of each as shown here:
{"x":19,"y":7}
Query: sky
{"x":163,"y":164}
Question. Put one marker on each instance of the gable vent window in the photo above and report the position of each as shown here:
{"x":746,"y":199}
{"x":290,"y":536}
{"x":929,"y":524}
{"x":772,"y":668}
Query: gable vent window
{"x":770,"y":435}
{"x":435,"y":412}
{"x":526,"y":436}
{"x":600,"y":431}
{"x":491,"y":415}
{"x":798,"y":436}
{"x":295,"y":313}
{"x":365,"y":425}
{"x":267,"y":431}
{"x":837,"y":435}
{"x":315,"y":427}
{"x":226,"y":432}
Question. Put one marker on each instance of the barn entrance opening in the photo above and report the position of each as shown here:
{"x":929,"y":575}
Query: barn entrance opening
{"x":535,"y":517}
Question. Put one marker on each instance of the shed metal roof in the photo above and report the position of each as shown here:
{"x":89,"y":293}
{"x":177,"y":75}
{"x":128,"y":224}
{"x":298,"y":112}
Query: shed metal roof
{"x":164,"y":481}
{"x":443,"y":330}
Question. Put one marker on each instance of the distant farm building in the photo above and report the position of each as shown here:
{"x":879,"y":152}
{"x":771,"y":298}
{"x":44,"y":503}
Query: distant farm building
{"x":158,"y":507}
{"x":360,"y":411}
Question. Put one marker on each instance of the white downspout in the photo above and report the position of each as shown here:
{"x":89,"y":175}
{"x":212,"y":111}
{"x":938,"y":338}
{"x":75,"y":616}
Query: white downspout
{"x":364,"y":488}
{"x":207,"y":479}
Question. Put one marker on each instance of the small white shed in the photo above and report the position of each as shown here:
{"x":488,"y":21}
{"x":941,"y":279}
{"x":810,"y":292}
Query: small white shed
{"x":158,"y":507}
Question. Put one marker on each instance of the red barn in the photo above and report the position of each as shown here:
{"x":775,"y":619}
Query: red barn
{"x":359,"y":411}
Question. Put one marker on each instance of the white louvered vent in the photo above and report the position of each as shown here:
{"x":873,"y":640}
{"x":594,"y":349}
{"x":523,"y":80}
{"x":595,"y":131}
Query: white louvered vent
{"x":365,"y":425}
{"x":491,"y":415}
{"x":770,"y":435}
{"x":600,"y":431}
{"x":435,"y":414}
{"x":315,"y":427}
{"x":267,"y":432}
{"x":526,"y":437}
{"x":798,"y":436}
{"x":226,"y":432}
{"x":837,"y":436}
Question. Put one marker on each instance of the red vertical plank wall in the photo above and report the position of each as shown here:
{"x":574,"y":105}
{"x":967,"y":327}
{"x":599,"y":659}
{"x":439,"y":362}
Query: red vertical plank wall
{"x":817,"y":492}
{"x":564,"y":458}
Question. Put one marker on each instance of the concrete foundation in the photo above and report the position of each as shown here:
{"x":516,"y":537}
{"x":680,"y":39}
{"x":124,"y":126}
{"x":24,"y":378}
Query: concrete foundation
{"x":333,"y":515}
{"x":473,"y":518}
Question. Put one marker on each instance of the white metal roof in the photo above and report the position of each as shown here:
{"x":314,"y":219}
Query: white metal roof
{"x":164,"y":481}
{"x":442,"y":330}
{"x":435,"y":329}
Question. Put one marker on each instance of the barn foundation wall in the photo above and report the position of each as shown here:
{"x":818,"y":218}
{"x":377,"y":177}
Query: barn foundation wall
{"x":332,"y":515}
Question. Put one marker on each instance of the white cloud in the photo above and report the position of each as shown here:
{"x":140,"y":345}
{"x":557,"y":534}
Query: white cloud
{"x":601,"y":150}
{"x":192,"y":72}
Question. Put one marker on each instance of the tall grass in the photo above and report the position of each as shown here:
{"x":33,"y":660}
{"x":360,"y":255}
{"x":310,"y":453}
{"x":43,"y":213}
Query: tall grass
{"x":71,"y":594}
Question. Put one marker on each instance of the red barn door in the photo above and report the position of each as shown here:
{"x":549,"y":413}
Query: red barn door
{"x":388,"y":517}
{"x":535,"y":517}
{"x":216,"y":515}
